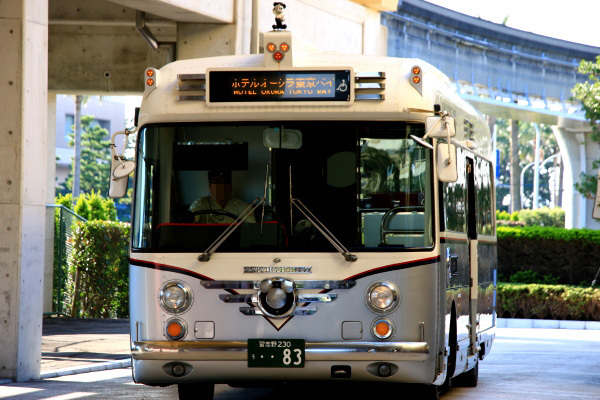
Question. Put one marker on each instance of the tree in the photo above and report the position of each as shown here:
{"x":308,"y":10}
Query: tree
{"x":95,"y":159}
{"x":76,"y":186}
{"x":588,"y":94}
{"x":526,"y":154}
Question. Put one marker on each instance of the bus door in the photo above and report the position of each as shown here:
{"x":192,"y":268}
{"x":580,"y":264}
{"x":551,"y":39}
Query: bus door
{"x":473,"y":260}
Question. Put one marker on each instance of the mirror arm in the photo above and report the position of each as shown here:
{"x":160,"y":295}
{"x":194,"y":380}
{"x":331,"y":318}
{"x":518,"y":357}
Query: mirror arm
{"x":421,"y":140}
{"x":447,"y":125}
{"x":113,"y":146}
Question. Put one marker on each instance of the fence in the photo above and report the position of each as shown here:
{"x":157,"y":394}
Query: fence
{"x":64,"y":228}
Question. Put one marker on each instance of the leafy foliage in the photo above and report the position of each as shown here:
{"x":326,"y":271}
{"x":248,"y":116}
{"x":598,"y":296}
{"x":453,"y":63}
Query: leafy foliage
{"x":95,"y":159}
{"x":548,"y":302}
{"x":100,"y":264}
{"x":545,"y":216}
{"x":568,"y":254}
{"x":586,"y":236}
{"x":548,"y":147}
{"x":588,"y":94}
{"x":532,"y":277}
{"x":91,"y":207}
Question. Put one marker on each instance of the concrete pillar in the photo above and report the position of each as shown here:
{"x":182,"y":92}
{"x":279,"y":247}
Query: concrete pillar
{"x":23,"y":151}
{"x":582,"y":170}
{"x":515,"y":171}
{"x":570,"y":152}
{"x":50,"y":183}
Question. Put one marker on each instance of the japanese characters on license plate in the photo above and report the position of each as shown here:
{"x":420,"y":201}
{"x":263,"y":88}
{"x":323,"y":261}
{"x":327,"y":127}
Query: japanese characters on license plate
{"x":276,"y":353}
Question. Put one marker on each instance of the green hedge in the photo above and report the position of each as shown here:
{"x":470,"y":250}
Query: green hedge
{"x":548,"y":302}
{"x":99,"y":270}
{"x":571,"y":255}
{"x":543,"y":216}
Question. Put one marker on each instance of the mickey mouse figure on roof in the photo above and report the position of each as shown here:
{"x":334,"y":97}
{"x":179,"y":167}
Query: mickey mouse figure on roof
{"x":279,"y":16}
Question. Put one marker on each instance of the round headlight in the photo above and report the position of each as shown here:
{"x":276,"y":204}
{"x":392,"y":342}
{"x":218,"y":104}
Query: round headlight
{"x":175,"y":297}
{"x":383,"y":297}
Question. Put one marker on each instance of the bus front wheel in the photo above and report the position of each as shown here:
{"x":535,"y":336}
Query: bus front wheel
{"x":196,"y":391}
{"x":431,"y":392}
{"x":467,"y":379}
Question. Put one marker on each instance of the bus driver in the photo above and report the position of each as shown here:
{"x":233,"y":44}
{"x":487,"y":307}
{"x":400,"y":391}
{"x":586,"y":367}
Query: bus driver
{"x":220,"y":200}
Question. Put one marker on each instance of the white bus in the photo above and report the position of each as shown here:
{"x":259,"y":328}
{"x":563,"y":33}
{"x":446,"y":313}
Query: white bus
{"x":354,"y":239}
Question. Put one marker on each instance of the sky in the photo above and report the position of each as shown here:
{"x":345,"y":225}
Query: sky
{"x":572,"y":20}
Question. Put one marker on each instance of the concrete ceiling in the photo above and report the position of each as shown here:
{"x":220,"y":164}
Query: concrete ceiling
{"x":204,"y":11}
{"x":95,"y":47}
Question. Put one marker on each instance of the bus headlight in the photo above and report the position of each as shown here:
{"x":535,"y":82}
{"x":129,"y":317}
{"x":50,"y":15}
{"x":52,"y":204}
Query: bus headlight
{"x":175,"y":297}
{"x":175,"y":329}
{"x":382,"y":328}
{"x":383,"y":297}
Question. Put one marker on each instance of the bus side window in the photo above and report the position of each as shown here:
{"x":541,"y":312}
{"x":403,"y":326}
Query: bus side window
{"x":483,"y":191}
{"x":454,"y":198}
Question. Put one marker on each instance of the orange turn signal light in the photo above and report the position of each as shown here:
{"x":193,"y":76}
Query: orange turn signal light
{"x":271,"y":47}
{"x":416,"y":79}
{"x":150,"y":73}
{"x":284,"y":47}
{"x":150,"y":82}
{"x":174,"y":329}
{"x":382,"y":328}
{"x":278,"y":56}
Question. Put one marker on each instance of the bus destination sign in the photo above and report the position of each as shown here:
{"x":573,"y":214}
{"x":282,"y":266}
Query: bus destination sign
{"x":277,"y":86}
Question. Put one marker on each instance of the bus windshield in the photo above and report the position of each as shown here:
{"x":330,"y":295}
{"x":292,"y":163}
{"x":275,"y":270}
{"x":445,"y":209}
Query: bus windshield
{"x":367,"y":182}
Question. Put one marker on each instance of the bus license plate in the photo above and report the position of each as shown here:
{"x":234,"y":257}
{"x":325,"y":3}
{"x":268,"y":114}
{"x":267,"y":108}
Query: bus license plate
{"x":276,"y":353}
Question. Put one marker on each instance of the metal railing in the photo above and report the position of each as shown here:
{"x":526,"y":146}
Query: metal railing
{"x":64,"y":229}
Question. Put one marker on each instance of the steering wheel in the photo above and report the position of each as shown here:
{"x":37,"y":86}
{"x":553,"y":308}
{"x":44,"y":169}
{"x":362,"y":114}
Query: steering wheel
{"x":213,"y":212}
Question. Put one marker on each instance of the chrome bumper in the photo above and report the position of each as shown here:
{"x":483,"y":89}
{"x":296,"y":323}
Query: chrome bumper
{"x":314,"y":351}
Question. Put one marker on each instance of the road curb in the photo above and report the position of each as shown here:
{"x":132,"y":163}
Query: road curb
{"x":546,"y":324}
{"x":125,"y":363}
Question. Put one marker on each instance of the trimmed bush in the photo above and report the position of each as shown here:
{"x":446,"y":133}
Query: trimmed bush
{"x":99,"y":267}
{"x":548,"y":302}
{"x":571,"y":255}
{"x":532,"y":277}
{"x":545,"y":216}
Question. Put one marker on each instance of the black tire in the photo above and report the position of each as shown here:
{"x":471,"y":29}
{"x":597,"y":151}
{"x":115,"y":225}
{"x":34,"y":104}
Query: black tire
{"x":452,"y":342}
{"x":431,"y":392}
{"x":467,"y":379}
{"x":196,"y":391}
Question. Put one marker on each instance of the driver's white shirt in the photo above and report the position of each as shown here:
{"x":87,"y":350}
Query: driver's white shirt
{"x":234,"y":206}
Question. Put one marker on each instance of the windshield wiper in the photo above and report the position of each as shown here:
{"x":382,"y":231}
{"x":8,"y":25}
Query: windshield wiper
{"x":319,"y":225}
{"x":324,"y":231}
{"x":230,"y":229}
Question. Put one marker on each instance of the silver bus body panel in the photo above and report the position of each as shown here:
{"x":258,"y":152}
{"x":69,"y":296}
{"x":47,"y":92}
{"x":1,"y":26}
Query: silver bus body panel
{"x":415,"y":341}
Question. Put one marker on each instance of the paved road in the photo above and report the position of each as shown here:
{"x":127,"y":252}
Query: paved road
{"x":524,"y":364}
{"x":69,"y":343}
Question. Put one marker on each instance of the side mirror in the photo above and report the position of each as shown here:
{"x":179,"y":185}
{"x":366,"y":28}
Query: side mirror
{"x":447,"y":170}
{"x":120,"y":169}
{"x":440,"y":127}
